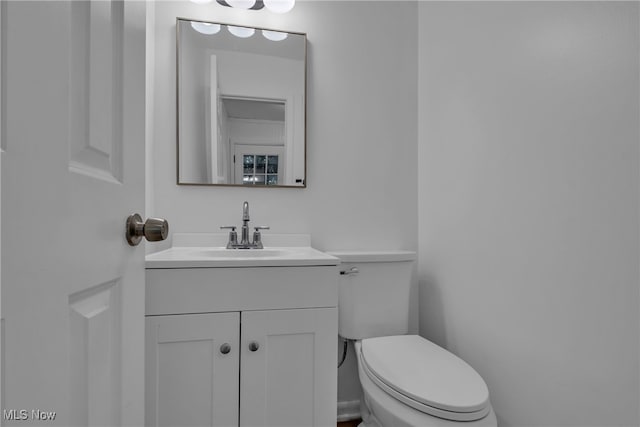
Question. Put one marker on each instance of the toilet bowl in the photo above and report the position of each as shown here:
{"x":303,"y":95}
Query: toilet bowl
{"x":406,"y":379}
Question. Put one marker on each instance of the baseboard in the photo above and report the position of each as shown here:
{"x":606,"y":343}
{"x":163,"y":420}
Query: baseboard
{"x":349,"y":410}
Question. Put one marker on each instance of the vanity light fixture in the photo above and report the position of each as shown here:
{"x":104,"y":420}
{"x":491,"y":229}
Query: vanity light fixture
{"x":205,"y":27}
{"x":279,"y":6}
{"x":275,"y":6}
{"x":241,"y":4}
{"x":242,"y":32}
{"x":275,"y":36}
{"x":209,"y":29}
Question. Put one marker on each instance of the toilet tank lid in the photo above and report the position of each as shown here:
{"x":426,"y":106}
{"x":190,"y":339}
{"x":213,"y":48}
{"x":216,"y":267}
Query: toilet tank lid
{"x":374,"y":256}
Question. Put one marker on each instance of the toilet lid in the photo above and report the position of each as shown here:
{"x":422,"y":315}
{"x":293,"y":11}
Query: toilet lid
{"x":421,"y":371}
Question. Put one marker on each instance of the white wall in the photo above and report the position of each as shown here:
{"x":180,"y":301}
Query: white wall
{"x":361,"y":128}
{"x":528,"y":203}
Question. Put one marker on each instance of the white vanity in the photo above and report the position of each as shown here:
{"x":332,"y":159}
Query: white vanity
{"x":241,"y":337}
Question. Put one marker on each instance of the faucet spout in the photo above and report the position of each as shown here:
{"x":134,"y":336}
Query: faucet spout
{"x":244,"y":242}
{"x":245,"y":211}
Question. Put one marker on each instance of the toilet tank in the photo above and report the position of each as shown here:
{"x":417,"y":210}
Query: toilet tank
{"x":373,"y":299}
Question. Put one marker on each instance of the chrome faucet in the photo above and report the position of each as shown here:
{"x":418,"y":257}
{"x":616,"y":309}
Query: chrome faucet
{"x":244,"y":241}
{"x":245,"y":224}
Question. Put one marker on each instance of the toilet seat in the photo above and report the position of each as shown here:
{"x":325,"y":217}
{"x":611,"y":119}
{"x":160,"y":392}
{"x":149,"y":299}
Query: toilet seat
{"x":426,"y":377}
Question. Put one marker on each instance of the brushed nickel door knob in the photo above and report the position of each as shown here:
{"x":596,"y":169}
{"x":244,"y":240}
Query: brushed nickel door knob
{"x":153,"y":229}
{"x":156,"y":229}
{"x":254,"y":346}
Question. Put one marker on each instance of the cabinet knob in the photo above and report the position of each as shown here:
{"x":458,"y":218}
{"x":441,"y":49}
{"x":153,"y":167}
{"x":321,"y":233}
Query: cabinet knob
{"x":254,"y":346}
{"x":225,"y":348}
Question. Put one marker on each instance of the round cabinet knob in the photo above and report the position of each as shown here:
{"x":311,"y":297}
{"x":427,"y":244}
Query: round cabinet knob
{"x":153,"y":229}
{"x":225,"y":348}
{"x":254,"y":346}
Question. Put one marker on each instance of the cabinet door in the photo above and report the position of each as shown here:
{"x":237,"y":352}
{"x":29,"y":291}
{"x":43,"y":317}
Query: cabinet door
{"x":191,"y":380}
{"x":290,"y":378}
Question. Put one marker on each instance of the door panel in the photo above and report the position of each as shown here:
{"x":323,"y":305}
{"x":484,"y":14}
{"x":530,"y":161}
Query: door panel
{"x":94,"y":344}
{"x":289,"y":379}
{"x":95,"y":89}
{"x":190,"y":381}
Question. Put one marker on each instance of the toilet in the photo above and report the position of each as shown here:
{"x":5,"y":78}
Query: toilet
{"x":406,"y":379}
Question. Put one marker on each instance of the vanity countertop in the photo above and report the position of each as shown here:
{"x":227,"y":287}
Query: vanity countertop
{"x":208,"y":251}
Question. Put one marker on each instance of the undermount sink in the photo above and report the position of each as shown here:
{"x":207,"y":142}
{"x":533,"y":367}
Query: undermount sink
{"x":195,"y":252}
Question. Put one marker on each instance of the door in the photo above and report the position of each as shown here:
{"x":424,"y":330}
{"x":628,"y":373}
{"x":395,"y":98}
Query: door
{"x":288,"y":367}
{"x":73,"y":170}
{"x":193,"y":364}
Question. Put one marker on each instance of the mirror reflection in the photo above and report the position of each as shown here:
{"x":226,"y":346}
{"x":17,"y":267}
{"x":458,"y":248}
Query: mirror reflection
{"x":241,"y":105}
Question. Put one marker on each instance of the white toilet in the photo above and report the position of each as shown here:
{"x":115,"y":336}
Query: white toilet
{"x":406,"y":379}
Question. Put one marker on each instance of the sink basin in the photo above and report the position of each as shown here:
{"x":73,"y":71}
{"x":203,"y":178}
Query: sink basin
{"x":201,"y":257}
{"x":238,"y":253}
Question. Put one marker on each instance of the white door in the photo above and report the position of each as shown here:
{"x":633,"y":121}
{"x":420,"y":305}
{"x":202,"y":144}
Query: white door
{"x":193,"y":365}
{"x":287,"y":368}
{"x":73,"y":170}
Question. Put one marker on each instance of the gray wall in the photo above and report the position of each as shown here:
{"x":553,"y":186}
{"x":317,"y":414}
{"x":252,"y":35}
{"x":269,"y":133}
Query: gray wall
{"x":528,"y":203}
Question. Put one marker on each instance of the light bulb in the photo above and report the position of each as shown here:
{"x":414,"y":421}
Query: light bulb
{"x":241,"y":4}
{"x":275,"y":36}
{"x":279,"y":6}
{"x":205,"y":27}
{"x":242,"y":32}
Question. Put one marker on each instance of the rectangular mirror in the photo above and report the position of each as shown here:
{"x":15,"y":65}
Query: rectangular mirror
{"x":241,"y":105}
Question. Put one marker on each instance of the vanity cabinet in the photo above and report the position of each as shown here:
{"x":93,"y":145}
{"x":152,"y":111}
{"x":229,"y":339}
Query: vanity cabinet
{"x":241,"y":346}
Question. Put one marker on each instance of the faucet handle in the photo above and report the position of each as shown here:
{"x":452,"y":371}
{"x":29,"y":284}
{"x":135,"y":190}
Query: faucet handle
{"x":233,"y":236}
{"x":257,"y":239}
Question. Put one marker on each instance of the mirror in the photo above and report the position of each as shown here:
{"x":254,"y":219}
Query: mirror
{"x":241,"y":105}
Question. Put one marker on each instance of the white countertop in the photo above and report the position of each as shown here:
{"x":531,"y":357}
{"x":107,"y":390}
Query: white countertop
{"x":200,"y":250}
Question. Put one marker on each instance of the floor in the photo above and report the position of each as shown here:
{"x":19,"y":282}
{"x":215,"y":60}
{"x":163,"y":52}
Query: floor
{"x":352,"y":423}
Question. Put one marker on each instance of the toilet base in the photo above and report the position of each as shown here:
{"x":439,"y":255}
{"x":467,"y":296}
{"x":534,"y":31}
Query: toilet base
{"x":368,"y":420}
{"x":378,"y":409}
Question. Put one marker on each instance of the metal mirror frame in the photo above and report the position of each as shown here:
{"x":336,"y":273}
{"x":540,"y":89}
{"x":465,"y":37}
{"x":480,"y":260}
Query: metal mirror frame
{"x":304,"y":184}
